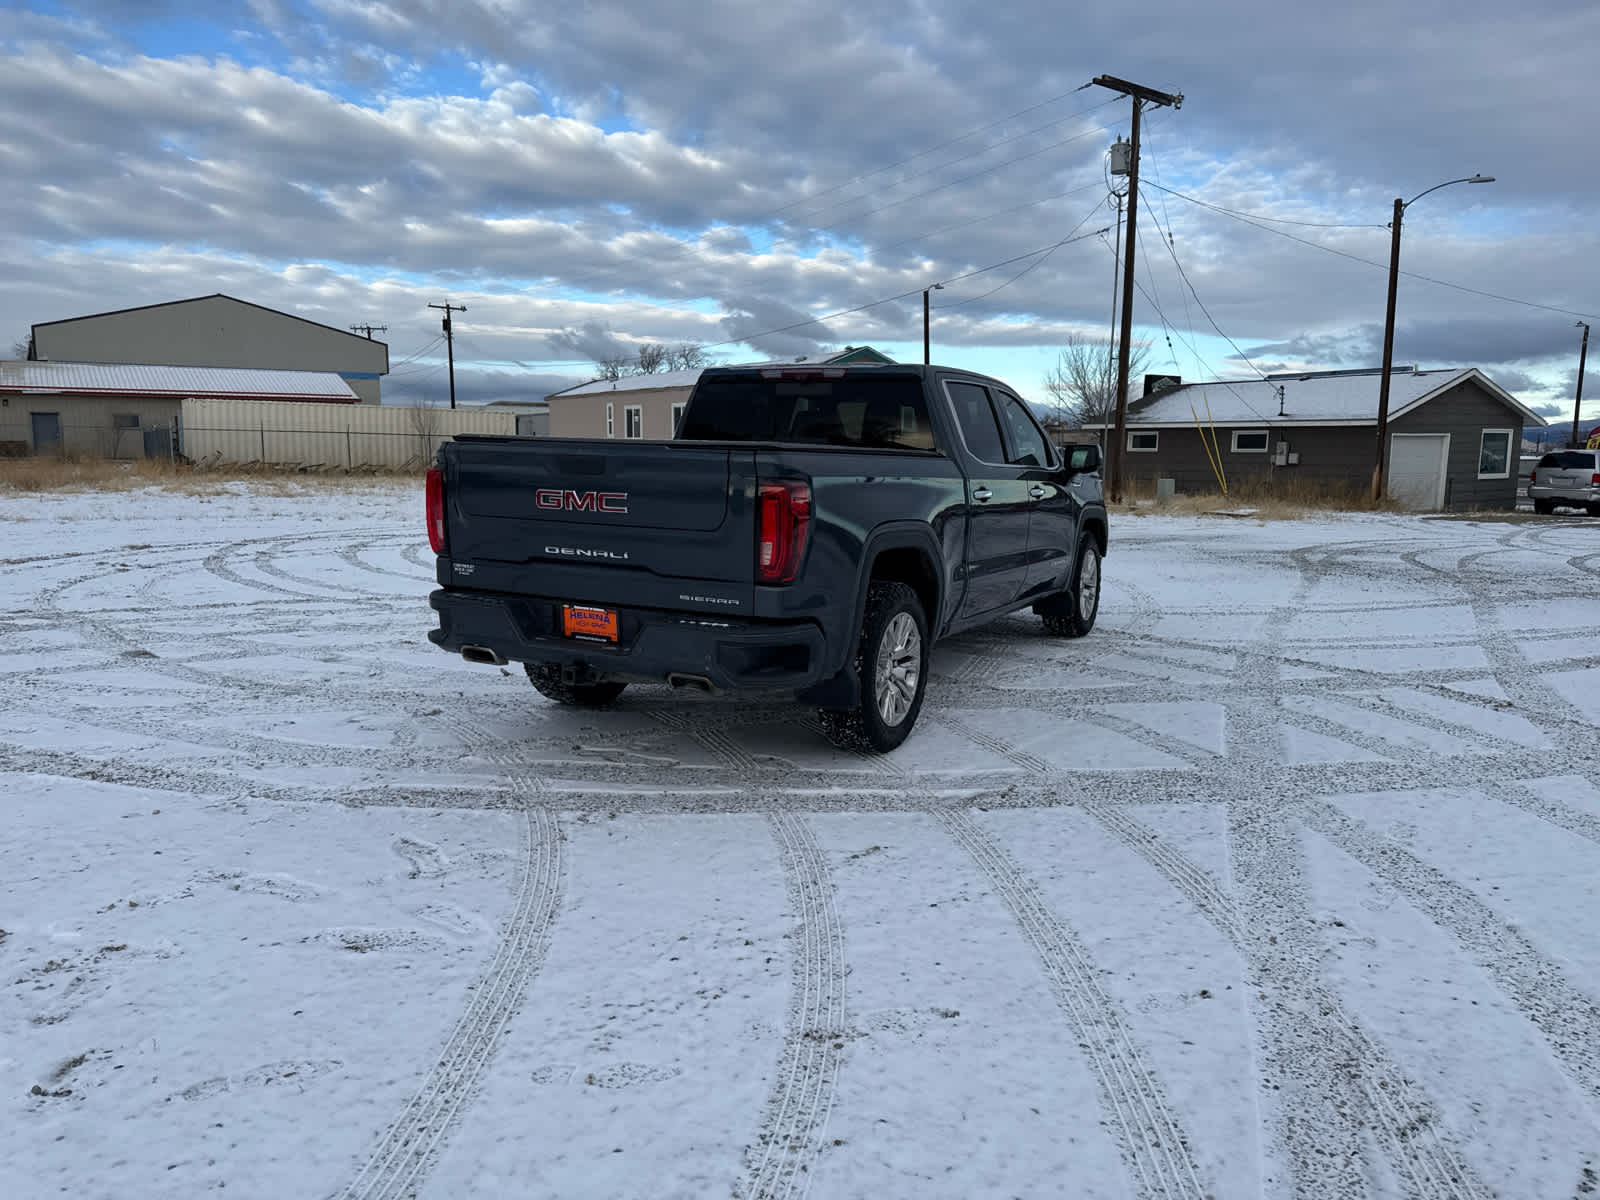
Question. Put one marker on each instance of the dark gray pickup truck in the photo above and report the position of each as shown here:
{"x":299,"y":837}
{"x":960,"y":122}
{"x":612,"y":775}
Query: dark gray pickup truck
{"x":810,"y":531}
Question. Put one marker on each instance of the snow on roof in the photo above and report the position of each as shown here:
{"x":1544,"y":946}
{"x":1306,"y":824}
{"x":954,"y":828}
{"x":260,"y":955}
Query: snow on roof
{"x":1324,"y":398}
{"x":635,"y":383}
{"x":688,"y":378}
{"x":130,"y":379}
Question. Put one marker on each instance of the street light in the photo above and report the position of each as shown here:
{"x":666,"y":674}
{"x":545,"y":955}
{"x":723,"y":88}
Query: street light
{"x":1400,"y":207}
{"x":938,"y":287}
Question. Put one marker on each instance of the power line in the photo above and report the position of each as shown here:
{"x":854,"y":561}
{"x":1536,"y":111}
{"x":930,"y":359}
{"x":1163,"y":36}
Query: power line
{"x":1173,"y":250}
{"x":1459,"y":287}
{"x":1047,"y":252}
{"x":1264,"y":217}
{"x":412,"y":357}
{"x":844,"y":312}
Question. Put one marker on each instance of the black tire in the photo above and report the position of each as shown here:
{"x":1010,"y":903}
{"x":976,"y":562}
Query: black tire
{"x":546,"y":681}
{"x":1071,"y":613}
{"x":1593,"y":510}
{"x":892,"y":665}
{"x":1546,"y":507}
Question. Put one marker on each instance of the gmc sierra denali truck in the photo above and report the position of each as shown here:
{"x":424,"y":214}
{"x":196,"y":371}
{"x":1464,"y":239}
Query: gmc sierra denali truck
{"x":810,"y":531}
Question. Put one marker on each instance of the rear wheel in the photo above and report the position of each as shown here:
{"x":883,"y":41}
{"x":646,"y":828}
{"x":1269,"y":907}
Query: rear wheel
{"x":892,"y":665}
{"x":1594,"y":510}
{"x":1072,"y":612}
{"x":546,"y":680}
{"x":1544,"y":506}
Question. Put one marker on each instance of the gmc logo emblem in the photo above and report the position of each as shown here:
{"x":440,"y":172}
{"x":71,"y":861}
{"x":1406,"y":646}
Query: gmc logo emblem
{"x":567,"y":500}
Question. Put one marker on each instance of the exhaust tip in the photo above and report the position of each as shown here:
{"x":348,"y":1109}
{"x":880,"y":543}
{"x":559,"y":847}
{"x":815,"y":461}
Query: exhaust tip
{"x":482,"y":654}
{"x":699,"y":682}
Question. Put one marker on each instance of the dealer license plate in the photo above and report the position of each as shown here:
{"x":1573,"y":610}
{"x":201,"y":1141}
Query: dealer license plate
{"x":590,"y":624}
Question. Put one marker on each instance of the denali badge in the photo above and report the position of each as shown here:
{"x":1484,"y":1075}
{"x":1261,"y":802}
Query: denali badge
{"x":568,"y":500}
{"x":580,"y":552}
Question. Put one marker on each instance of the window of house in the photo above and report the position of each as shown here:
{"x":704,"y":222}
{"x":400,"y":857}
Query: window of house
{"x":1144,"y":442}
{"x":633,"y":421}
{"x":1249,"y":441}
{"x":1494,"y":454}
{"x":121,"y":421}
{"x":611,"y":419}
{"x":677,"y":416}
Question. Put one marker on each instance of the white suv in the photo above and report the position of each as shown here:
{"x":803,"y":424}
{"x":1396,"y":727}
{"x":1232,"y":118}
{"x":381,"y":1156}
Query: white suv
{"x":1568,"y":477}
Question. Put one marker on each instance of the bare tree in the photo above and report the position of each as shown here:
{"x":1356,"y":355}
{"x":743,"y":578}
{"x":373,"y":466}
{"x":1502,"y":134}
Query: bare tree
{"x":1084,"y":379}
{"x":613,"y":366}
{"x":686,"y":356}
{"x":424,"y":421}
{"x":19,"y":349}
{"x":651,"y":357}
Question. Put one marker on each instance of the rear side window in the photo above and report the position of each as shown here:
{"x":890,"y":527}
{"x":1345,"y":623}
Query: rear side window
{"x":975,"y":415}
{"x":881,"y":413}
{"x":1569,"y":460}
{"x":1031,"y":448}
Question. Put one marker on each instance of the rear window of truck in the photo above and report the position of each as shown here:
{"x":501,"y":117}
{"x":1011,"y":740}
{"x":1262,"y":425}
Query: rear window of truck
{"x":871,"y":413}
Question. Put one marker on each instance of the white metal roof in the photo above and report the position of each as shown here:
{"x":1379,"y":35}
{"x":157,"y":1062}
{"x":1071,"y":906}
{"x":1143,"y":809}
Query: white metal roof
{"x":1330,"y":398}
{"x":131,"y":379}
{"x":688,"y":378}
{"x":636,"y":383}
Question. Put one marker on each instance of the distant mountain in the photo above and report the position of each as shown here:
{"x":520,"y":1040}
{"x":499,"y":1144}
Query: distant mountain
{"x":1558,"y":432}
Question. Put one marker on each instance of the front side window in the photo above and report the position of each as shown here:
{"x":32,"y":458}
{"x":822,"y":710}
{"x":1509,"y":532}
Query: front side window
{"x":1494,"y":454}
{"x":976,"y":417}
{"x":1249,"y":441}
{"x":633,"y":418}
{"x":1144,"y":442}
{"x":1032,"y":450}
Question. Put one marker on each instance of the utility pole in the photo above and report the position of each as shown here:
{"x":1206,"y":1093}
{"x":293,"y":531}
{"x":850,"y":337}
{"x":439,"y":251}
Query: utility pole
{"x":449,"y":343}
{"x":368,"y":329}
{"x":1583,"y":353}
{"x":1141,"y":96}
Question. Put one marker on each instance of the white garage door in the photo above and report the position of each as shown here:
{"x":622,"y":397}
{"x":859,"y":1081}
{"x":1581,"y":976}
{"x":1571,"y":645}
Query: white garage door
{"x":1417,"y":469}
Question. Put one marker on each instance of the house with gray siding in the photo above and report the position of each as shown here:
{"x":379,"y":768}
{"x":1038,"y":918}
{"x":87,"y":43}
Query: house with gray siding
{"x":1453,"y":434}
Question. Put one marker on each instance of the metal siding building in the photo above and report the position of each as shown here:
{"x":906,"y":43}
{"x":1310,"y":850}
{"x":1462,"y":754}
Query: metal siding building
{"x":1322,"y":427}
{"x":346,"y":436}
{"x":121,"y":411}
{"x":215,"y":331}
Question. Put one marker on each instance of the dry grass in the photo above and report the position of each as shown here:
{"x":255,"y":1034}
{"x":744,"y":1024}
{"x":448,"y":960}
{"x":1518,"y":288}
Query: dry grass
{"x":82,"y":474}
{"x":1295,"y":500}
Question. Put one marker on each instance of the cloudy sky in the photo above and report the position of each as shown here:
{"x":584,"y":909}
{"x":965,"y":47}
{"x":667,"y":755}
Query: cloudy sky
{"x":589,"y":175}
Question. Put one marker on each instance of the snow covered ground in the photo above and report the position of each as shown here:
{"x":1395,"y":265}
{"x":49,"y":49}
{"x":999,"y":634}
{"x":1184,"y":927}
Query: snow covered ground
{"x":1281,"y":883}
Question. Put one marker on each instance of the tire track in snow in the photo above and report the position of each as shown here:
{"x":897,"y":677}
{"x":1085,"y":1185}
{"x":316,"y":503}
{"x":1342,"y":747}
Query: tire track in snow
{"x":1568,"y":1017}
{"x":1154,"y":1146}
{"x":795,"y":1118}
{"x":1405,"y":1117}
{"x":1331,"y":1086}
{"x":412,"y":1144}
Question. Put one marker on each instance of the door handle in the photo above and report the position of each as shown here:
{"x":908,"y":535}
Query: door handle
{"x":981,"y":494}
{"x":1036,"y":491}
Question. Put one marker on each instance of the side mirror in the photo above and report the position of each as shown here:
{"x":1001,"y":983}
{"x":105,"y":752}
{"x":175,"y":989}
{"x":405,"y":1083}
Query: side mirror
{"x":1083,"y":458}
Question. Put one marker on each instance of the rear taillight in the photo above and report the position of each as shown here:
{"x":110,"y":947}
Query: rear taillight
{"x":436,"y":509}
{"x":783,"y":516}
{"x":1533,"y":476}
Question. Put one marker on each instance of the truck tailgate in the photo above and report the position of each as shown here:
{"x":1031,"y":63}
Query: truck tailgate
{"x":601,"y":522}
